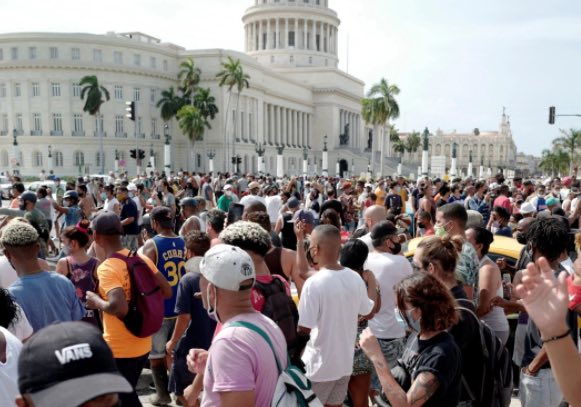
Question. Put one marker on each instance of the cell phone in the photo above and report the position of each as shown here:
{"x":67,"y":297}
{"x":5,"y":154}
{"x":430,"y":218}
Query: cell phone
{"x":235,"y":212}
{"x":506,"y":278}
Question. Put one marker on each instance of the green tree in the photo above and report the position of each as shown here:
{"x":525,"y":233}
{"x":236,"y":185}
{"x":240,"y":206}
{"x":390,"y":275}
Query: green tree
{"x":570,"y":141}
{"x":413,"y":142}
{"x":93,"y":93}
{"x":206,"y":103}
{"x":189,"y":77}
{"x":192,"y":122}
{"x":233,"y":76}
{"x":386,"y":106}
{"x":369,"y":108}
{"x":554,"y":161}
{"x":169,"y":104}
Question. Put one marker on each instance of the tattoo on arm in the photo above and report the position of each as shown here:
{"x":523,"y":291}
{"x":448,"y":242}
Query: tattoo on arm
{"x":423,"y":388}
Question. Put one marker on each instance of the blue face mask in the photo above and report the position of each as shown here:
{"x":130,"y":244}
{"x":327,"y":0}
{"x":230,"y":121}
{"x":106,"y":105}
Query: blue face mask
{"x":413,"y":324}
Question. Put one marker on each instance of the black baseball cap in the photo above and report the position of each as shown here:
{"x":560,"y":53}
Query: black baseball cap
{"x":162,"y":216}
{"x":68,"y":364}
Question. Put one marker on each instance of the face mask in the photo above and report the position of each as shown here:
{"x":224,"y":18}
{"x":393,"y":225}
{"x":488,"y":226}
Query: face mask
{"x":66,"y":204}
{"x":212,"y":310}
{"x":22,"y":206}
{"x":521,"y":238}
{"x":396,"y":249}
{"x":440,"y":231}
{"x":120,"y":198}
{"x":67,"y":250}
{"x":412,"y":324}
{"x":496,"y":224}
{"x":103,"y":196}
{"x":228,"y":193}
{"x":131,"y":195}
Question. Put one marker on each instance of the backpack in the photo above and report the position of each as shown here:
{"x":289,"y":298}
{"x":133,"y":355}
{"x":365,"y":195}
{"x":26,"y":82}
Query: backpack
{"x":292,"y":388}
{"x":281,"y":308}
{"x":146,"y":307}
{"x":496,"y":386}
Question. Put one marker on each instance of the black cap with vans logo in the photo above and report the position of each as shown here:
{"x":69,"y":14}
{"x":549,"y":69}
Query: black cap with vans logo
{"x":68,"y":364}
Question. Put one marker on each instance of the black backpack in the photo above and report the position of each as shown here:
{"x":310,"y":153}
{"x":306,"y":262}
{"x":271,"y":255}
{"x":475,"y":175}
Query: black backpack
{"x":496,"y":386}
{"x":280,"y":307}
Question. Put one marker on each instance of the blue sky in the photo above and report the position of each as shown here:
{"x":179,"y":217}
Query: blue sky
{"x":457,"y":62}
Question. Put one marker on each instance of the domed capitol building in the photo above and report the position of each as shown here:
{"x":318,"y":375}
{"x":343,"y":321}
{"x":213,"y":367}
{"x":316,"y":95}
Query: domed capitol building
{"x":299,"y":104}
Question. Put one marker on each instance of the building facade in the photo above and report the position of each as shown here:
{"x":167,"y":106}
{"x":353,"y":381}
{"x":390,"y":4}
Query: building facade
{"x":298,"y":101}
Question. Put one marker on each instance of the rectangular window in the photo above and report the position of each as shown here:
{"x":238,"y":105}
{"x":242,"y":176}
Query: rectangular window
{"x":32,"y":52}
{"x":19,"y":122}
{"x":77,"y":123}
{"x":136,"y":94}
{"x":36,"y":122}
{"x":118,"y":57}
{"x":76,"y":90}
{"x":153,"y":127}
{"x":137,"y":59}
{"x":2,"y":90}
{"x":152,"y":95}
{"x":251,"y":127}
{"x":75,"y":54}
{"x":152,"y":63}
{"x":56,"y":88}
{"x":97,"y":55}
{"x":165,"y":65}
{"x":14,"y":53}
{"x":118,"y":92}
{"x":5,"y":123}
{"x":264,"y":36}
{"x":291,"y":38}
{"x":99,"y":125}
{"x":57,"y":122}
{"x":318,"y":42}
{"x":54,"y":52}
{"x":17,"y":91}
{"x":35,"y":89}
{"x":118,"y":124}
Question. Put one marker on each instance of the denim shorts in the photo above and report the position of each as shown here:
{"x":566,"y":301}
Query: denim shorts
{"x":160,"y":339}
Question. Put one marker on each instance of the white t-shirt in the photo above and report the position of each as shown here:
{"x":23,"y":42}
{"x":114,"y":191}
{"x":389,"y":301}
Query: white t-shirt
{"x":330,"y":305}
{"x":7,"y":273}
{"x":273,"y":205}
{"x":247,"y":199}
{"x":21,"y":328}
{"x":388,"y":270}
{"x":366,"y":238}
{"x":139,"y":210}
{"x":9,"y":369}
{"x":109,"y":204}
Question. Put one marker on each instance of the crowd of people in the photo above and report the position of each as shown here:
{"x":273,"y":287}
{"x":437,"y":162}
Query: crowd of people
{"x":256,"y":274}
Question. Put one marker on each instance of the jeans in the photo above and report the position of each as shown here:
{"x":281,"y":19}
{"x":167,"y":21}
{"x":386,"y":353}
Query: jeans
{"x":392,"y":350}
{"x":130,"y":369}
{"x":540,"y":390}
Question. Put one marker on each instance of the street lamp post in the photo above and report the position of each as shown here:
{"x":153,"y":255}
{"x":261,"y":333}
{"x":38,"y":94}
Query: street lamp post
{"x":167,"y":150}
{"x":49,"y":157}
{"x":260,"y":150}
{"x":305,"y":161}
{"x":211,"y":154}
{"x":151,"y":157}
{"x":116,"y":162}
{"x":279,"y":161}
{"x":325,"y":163}
{"x":15,"y":153}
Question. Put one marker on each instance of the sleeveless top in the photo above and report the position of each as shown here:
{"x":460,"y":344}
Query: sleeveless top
{"x":496,"y":319}
{"x":273,"y":260}
{"x":171,"y":262}
{"x":83,"y":278}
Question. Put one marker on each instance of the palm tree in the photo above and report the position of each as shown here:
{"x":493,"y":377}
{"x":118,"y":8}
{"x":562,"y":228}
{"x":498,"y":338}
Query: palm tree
{"x":192,"y":122}
{"x":413,"y":142}
{"x":94,"y":93}
{"x":555,"y":160}
{"x":387,"y":107}
{"x":233,"y":76}
{"x":189,"y":76}
{"x":370,"y":116}
{"x":206,"y":103}
{"x":170,"y":103}
{"x":570,"y":141}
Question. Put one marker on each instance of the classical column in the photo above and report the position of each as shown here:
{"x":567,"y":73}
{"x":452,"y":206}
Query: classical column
{"x":270,"y":124}
{"x":300,"y":135}
{"x":268,"y":39}
{"x":279,"y":162}
{"x":305,"y":161}
{"x":247,"y":122}
{"x":305,"y":45}
{"x":285,"y":33}
{"x":284,"y":133}
{"x":336,"y":40}
{"x":260,"y":45}
{"x":295,"y":128}
{"x":277,"y":35}
{"x":328,"y":38}
{"x":278,"y":132}
{"x":325,"y":158}
{"x":313,"y":34}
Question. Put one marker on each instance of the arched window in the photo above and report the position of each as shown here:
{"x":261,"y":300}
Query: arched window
{"x":465,"y":152}
{"x":36,"y":159}
{"x":58,"y":159}
{"x":79,"y":158}
{"x":447,"y":150}
{"x":98,"y":159}
{"x":4,"y":158}
{"x":491,"y":150}
{"x":438,"y":149}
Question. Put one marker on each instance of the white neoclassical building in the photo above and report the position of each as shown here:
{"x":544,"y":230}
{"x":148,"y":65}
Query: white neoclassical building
{"x":298,"y":100}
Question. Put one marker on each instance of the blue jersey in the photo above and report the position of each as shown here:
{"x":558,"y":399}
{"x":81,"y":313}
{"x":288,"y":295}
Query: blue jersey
{"x":171,"y":262}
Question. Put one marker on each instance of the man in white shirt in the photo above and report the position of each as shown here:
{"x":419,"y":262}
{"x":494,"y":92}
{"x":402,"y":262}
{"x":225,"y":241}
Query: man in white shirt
{"x":389,"y":268}
{"x":253,"y":190}
{"x":273,"y":203}
{"x":331,"y":302}
{"x":371,"y":217}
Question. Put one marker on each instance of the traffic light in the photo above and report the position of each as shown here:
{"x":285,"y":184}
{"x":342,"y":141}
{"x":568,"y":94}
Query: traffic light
{"x":551,"y":114}
{"x":130,"y":110}
{"x":141,"y":154}
{"x":133,"y":153}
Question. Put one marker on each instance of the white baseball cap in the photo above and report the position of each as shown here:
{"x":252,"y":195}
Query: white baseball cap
{"x":527,"y":207}
{"x":227,"y":267}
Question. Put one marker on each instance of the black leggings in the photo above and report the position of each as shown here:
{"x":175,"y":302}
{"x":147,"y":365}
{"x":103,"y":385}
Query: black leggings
{"x":131,"y":368}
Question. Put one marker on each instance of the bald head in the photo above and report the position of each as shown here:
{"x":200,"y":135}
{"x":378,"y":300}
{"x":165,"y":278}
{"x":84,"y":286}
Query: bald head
{"x":524,"y":224}
{"x":373,"y":215}
{"x":327,"y":241}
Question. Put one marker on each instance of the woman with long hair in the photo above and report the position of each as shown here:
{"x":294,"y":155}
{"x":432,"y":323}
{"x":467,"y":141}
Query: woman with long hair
{"x":78,"y":266}
{"x":431,"y":362}
{"x":489,"y":284}
{"x":353,"y":255}
{"x":12,"y":317}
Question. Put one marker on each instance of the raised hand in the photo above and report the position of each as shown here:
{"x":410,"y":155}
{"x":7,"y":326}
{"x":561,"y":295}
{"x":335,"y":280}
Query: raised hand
{"x":545,"y":297}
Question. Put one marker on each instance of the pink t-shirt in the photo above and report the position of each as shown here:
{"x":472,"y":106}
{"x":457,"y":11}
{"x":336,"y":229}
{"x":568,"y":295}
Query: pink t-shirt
{"x":241,"y":360}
